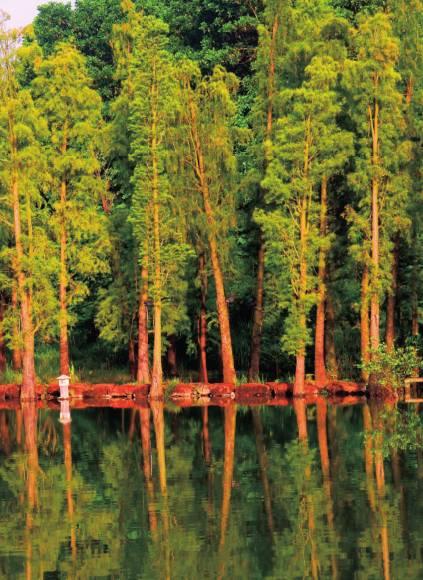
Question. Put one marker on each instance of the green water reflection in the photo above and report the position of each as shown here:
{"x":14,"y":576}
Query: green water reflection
{"x":273,"y":492}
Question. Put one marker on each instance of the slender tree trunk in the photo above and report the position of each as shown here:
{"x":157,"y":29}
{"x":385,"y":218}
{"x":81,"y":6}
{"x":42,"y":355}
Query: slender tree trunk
{"x":300,"y":357}
{"x":63,"y":282}
{"x":364,"y":321}
{"x":202,"y":323}
{"x":143,"y":370}
{"x":301,"y":415}
{"x":391,"y":302}
{"x":331,"y":359}
{"x":229,"y":375}
{"x":156,"y":390}
{"x":16,"y":349}
{"x":319,"y":342}
{"x":374,"y":299}
{"x":28,"y":366}
{"x":2,"y":341}
{"x":258,"y":316}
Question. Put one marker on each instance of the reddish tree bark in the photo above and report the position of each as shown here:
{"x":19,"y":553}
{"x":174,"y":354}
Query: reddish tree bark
{"x":24,"y":300}
{"x":257,"y":331}
{"x":143,"y":370}
{"x":229,"y":375}
{"x":202,"y":322}
{"x":374,"y":297}
{"x":319,"y":341}
{"x":391,"y":302}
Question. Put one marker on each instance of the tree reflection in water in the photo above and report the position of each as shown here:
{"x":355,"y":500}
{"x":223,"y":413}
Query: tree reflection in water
{"x":289,"y":492}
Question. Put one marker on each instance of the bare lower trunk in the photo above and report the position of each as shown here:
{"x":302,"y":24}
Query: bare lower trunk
{"x":63,"y":286}
{"x":391,"y":302}
{"x":202,"y":322}
{"x":143,"y":370}
{"x":319,"y":341}
{"x":257,"y":332}
{"x":374,"y":297}
{"x":28,"y":366}
{"x":229,"y":375}
{"x":156,"y":390}
{"x":364,"y":321}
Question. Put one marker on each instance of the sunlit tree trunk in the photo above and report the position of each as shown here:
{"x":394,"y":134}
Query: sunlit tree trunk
{"x":229,"y":375}
{"x":319,"y":341}
{"x":63,"y":279}
{"x":374,"y":296}
{"x":302,"y":319}
{"x":143,"y":368}
{"x":156,"y":390}
{"x":28,"y":366}
{"x":202,"y":322}
{"x":258,"y":316}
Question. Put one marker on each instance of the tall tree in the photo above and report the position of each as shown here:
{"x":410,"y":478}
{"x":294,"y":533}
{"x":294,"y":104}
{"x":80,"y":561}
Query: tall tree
{"x":73,"y":111}
{"x":162,"y":249}
{"x":308,"y":148}
{"x":375,"y":105}
{"x":206,"y":110}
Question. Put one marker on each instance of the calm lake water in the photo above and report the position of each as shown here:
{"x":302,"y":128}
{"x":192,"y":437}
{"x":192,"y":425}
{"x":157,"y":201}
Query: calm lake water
{"x":265,"y":492}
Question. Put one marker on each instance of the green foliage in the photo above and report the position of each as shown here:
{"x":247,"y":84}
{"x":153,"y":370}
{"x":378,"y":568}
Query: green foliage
{"x":391,"y":368}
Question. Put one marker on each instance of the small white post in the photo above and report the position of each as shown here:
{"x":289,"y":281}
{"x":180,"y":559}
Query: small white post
{"x":65,"y":416}
{"x":64,"y":386}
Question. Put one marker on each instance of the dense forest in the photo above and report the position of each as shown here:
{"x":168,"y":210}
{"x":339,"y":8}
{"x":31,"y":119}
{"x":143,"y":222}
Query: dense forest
{"x":211,"y":188}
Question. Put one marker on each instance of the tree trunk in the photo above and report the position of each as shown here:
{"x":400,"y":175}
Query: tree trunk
{"x":319,"y":342}
{"x":301,"y":415}
{"x":257,"y":332}
{"x":171,"y":356}
{"x":202,"y":323}
{"x":391,"y":302}
{"x":2,"y":341}
{"x":374,"y":299}
{"x":331,"y":360}
{"x":143,"y":370}
{"x":63,"y":286}
{"x":28,"y":366}
{"x":302,"y":322}
{"x":16,"y":349}
{"x":228,"y":366}
{"x":364,"y":321}
{"x":156,"y":391}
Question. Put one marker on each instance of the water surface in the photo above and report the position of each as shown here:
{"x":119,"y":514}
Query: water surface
{"x":264,"y":492}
